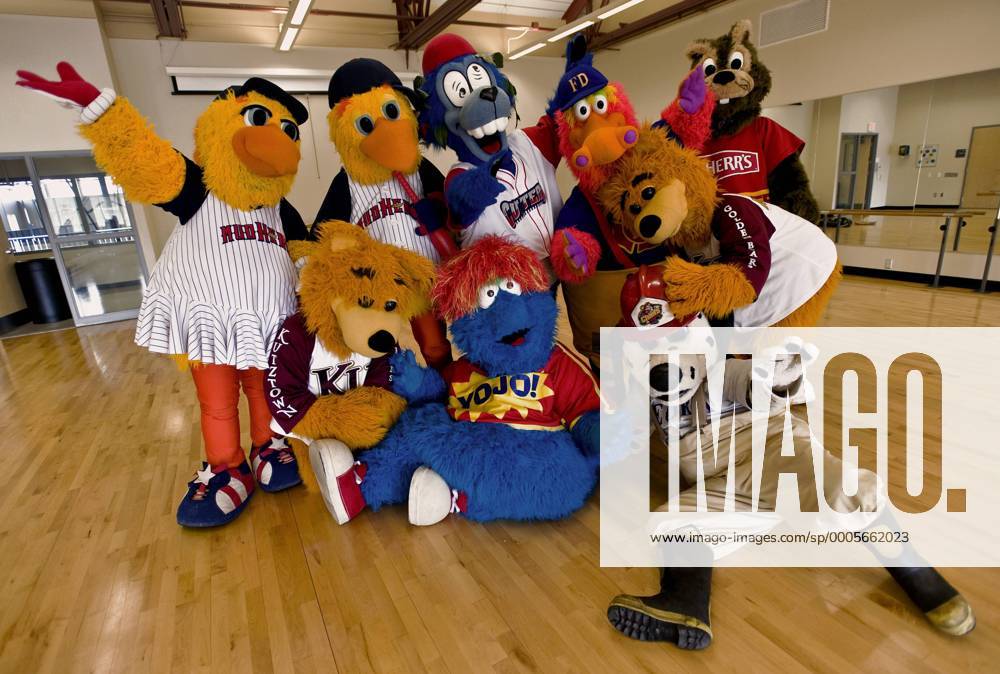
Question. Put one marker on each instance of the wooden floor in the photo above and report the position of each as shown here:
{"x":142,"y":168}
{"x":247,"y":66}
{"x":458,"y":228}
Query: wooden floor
{"x":96,"y":576}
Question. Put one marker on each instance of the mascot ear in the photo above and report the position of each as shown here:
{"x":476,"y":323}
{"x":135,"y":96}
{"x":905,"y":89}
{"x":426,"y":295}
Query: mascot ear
{"x":497,"y":59}
{"x":740,"y":32}
{"x":697,"y":50}
{"x":419,"y":275}
{"x":576,"y":51}
{"x":337,"y":235}
{"x":300,"y":249}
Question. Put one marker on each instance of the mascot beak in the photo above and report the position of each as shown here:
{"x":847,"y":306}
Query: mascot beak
{"x":664,"y":213}
{"x":392,"y":145}
{"x":602,"y":140}
{"x":266,"y":150}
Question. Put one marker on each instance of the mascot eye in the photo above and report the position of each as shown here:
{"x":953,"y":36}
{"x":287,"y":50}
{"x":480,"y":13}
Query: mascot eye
{"x":256,"y":115}
{"x":478,"y":77}
{"x":635,"y":209}
{"x":736,"y":61}
{"x":648,"y":192}
{"x":582,"y":111}
{"x":390,"y":305}
{"x":510,"y":286}
{"x":364,"y":125}
{"x":600,"y":104}
{"x":390,"y":110}
{"x":290,"y":129}
{"x":708,"y":65}
{"x":488,"y":295}
{"x":456,"y":88}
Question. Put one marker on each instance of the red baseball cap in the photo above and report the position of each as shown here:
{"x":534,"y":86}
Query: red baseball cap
{"x":443,"y":48}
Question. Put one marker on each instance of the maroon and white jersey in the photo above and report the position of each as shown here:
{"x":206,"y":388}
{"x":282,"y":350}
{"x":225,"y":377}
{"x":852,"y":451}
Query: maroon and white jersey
{"x":786,"y":259}
{"x":527,"y":208}
{"x":300,"y":370}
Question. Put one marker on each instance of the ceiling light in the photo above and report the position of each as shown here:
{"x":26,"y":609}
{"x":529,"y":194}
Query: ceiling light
{"x":569,"y":31}
{"x":620,"y":8}
{"x":526,"y":51}
{"x":299,"y":11}
{"x":288,"y":39}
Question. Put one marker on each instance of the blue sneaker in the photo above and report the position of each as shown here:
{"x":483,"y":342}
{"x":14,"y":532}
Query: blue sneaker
{"x":275,"y":466}
{"x":216,"y":496}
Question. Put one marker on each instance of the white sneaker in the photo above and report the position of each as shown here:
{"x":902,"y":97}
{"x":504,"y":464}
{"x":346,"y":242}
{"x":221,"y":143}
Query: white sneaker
{"x":339,"y":477}
{"x":431,"y":499}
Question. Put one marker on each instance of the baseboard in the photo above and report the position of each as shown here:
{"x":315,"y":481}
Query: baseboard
{"x":915,"y":277}
{"x":14,"y":320}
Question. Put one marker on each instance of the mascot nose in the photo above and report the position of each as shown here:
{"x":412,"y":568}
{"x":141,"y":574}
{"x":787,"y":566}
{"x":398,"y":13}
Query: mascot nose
{"x":723,"y":77}
{"x":382,"y":341}
{"x":664,"y":377}
{"x":649,"y":225}
{"x":488,"y":94}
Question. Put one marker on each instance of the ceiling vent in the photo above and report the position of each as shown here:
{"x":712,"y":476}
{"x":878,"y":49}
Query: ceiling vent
{"x":793,"y":21}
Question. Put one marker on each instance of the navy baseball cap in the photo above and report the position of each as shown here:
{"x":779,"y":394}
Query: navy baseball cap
{"x":581,"y":78}
{"x":361,"y":75}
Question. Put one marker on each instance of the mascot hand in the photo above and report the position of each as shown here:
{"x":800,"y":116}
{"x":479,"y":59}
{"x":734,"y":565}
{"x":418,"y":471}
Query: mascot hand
{"x":430,"y":213}
{"x":469,"y":193}
{"x":359,"y":418}
{"x":71,"y":91}
{"x":574,"y":254}
{"x":691,"y":94}
{"x":416,"y":384}
{"x":715,"y":289}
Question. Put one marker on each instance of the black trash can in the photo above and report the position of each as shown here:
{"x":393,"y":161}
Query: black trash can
{"x":42,"y":290}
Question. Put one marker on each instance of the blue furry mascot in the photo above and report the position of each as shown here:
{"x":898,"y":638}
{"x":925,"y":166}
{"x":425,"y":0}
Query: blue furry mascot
{"x":518,"y":437}
{"x":505,"y":180}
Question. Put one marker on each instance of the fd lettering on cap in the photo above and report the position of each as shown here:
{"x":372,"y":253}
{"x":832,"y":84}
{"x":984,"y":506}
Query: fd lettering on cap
{"x":579,"y":81}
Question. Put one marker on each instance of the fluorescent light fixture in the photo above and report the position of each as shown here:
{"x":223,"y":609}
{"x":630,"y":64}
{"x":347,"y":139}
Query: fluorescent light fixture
{"x":288,"y":39}
{"x":620,"y":8}
{"x":569,"y":31}
{"x":299,"y":11}
{"x":526,"y":51}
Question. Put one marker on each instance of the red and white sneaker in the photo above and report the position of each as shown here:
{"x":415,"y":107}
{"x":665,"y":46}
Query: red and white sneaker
{"x":274,"y":465}
{"x":216,"y":496}
{"x":431,"y":499}
{"x":339,"y":477}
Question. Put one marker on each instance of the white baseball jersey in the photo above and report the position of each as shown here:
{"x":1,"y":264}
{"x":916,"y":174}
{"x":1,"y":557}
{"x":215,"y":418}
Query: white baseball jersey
{"x":222,"y":286}
{"x":382,"y":211}
{"x":529,"y":204}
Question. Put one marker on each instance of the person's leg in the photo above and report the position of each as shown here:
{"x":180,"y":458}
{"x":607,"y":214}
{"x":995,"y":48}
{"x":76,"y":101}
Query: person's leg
{"x":506,"y":473}
{"x":271,"y":456}
{"x":219,"y":398}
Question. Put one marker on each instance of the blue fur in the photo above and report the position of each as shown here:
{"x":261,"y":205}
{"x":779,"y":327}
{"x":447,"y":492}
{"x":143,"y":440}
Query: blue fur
{"x":506,"y":472}
{"x":471,"y":192}
{"x":478,"y":334}
{"x":415,"y":384}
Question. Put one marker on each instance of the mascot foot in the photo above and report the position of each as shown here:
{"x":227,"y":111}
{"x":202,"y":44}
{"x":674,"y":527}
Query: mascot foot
{"x":678,"y":614}
{"x":945,"y":608}
{"x":431,"y":499}
{"x":274,"y":465}
{"x":216,"y":496}
{"x":339,"y":477}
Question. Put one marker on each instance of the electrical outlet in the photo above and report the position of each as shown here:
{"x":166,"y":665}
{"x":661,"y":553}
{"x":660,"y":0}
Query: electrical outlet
{"x":888,"y":263}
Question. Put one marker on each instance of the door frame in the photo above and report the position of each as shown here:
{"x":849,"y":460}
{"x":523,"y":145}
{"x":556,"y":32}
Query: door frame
{"x":968,"y":156}
{"x":43,"y":210}
{"x":856,"y":136}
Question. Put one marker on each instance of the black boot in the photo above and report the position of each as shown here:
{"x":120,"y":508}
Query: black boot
{"x":679,"y":613}
{"x":943,"y":606}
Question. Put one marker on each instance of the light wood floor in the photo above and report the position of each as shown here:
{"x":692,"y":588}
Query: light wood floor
{"x":95,"y":575}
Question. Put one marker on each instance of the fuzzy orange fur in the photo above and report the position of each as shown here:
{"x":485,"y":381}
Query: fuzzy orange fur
{"x":359,"y":418}
{"x":347,"y":139}
{"x":808,"y":315}
{"x":655,"y":153}
{"x":592,"y":177}
{"x":225,"y":175}
{"x":328,"y":279}
{"x":715,"y":289}
{"x":127,"y":148}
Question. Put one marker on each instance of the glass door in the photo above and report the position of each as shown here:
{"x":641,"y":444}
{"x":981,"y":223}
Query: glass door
{"x":90,"y":228}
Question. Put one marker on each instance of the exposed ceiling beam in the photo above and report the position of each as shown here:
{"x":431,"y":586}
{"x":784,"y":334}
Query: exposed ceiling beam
{"x":409,"y":14}
{"x":576,"y":9}
{"x":651,"y":22}
{"x":169,"y":20}
{"x":445,"y":15}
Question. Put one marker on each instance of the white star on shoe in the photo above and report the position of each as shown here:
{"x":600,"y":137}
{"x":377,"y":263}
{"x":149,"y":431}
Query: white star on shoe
{"x":204,"y":475}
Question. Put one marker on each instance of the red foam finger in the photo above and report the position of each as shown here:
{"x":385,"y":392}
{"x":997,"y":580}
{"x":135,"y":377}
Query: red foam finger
{"x":67,"y":72}
{"x":29,"y":76}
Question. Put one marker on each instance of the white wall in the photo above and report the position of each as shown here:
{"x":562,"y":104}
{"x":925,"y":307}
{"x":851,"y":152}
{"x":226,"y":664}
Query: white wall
{"x":140,"y":66}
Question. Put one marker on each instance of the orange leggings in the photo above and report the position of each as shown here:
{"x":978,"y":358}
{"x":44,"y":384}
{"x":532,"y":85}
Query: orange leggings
{"x":219,"y":395}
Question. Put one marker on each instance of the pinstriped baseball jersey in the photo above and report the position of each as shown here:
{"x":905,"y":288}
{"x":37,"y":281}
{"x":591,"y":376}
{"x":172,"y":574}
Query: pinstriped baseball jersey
{"x":222,"y":285}
{"x":383,"y":211}
{"x":527,"y":207}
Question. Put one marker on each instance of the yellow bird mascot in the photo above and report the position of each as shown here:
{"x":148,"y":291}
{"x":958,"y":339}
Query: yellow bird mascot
{"x":385,"y":186}
{"x":224,"y":281}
